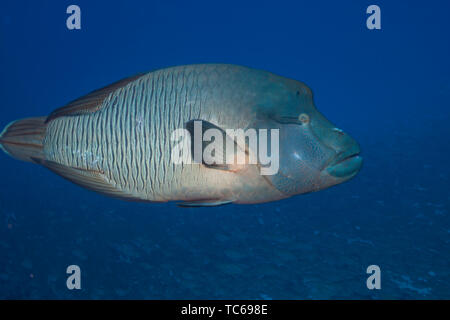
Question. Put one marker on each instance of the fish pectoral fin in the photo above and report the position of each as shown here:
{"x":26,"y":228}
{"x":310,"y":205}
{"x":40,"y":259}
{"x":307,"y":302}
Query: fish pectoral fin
{"x":220,"y":159}
{"x":204,"y":203}
{"x":89,"y":179}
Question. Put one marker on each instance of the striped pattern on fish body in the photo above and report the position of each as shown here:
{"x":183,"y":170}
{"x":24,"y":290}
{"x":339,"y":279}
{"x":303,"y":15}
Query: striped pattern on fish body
{"x":127,"y":139}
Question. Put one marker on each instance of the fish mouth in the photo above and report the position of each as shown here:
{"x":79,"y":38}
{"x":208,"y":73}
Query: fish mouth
{"x":345,"y":165}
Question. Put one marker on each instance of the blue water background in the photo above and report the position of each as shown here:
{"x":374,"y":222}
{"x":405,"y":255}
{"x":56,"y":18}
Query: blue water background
{"x":388,"y":88}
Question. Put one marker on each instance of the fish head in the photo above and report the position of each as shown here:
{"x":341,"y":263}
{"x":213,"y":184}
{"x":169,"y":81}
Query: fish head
{"x":313,"y":153}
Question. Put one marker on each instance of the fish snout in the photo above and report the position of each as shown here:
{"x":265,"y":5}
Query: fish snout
{"x":344,"y":160}
{"x":347,"y":161}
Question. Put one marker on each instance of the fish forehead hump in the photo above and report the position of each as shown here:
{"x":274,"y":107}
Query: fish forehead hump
{"x":233,"y":95}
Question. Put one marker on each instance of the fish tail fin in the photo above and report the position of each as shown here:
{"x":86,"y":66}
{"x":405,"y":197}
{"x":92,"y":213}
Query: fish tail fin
{"x":23,"y":139}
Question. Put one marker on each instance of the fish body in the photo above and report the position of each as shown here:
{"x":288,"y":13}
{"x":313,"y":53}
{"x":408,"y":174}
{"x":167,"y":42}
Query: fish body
{"x":119,"y":140}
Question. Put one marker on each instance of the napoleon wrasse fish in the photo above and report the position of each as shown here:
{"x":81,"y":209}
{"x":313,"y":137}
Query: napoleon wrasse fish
{"x":116,"y":140}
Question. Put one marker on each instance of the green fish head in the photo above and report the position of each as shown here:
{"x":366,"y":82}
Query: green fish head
{"x":313,"y":153}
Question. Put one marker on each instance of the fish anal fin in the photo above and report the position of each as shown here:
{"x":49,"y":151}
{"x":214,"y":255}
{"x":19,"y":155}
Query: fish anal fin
{"x":90,"y":179}
{"x":90,"y":102}
{"x":204,"y":203}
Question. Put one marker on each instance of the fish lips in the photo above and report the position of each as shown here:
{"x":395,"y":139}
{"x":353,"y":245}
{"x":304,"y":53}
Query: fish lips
{"x":345,"y":165}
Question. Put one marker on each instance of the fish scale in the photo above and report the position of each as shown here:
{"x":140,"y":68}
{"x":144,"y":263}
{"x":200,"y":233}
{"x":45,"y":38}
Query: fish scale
{"x":120,"y":163}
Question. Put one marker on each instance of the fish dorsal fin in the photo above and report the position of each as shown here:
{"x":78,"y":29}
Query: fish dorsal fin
{"x":89,"y":179}
{"x":222,"y":160}
{"x":90,"y":102}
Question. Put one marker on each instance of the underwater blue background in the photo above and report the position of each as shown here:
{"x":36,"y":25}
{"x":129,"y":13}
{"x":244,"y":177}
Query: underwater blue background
{"x":388,"y":88}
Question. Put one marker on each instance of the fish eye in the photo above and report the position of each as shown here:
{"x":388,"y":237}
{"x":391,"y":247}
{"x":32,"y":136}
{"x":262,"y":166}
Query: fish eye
{"x":303,"y":118}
